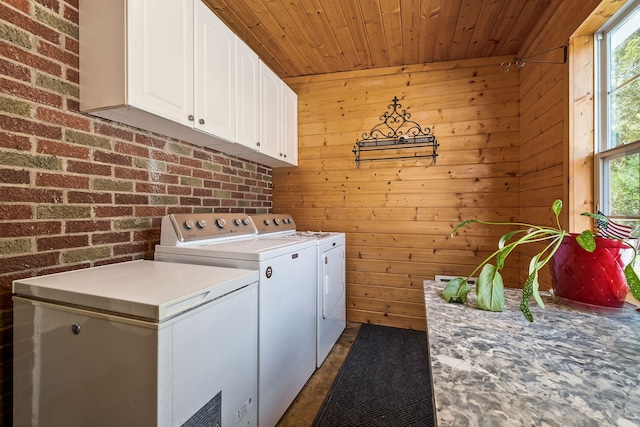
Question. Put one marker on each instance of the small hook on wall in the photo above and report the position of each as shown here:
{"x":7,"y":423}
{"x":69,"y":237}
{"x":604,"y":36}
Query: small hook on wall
{"x":520,"y":62}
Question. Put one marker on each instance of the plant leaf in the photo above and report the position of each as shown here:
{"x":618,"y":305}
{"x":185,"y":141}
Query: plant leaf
{"x":503,"y":254}
{"x":527,"y":291}
{"x":557,"y":207}
{"x":586,"y":241}
{"x":462,"y":224}
{"x":490,"y":289}
{"x":456,"y":290}
{"x":598,"y":217}
{"x":534,"y":267}
{"x":632,"y":281}
{"x":506,"y":237}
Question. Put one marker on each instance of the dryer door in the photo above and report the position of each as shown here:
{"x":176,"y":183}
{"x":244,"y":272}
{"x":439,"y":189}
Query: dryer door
{"x":332,"y":283}
{"x":331,"y":301}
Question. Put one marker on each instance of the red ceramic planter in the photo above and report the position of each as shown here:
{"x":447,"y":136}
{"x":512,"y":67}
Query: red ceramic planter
{"x":595,"y":278}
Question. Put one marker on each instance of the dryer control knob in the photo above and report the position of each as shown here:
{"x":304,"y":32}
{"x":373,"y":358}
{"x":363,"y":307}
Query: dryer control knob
{"x":221,"y":223}
{"x":267,"y":222}
{"x":237,"y":221}
{"x":276,"y":221}
{"x":188,"y":224}
{"x":245,"y":221}
{"x":201,"y":223}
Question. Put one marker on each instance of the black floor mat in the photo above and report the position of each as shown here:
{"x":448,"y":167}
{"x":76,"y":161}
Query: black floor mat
{"x":384,"y":381}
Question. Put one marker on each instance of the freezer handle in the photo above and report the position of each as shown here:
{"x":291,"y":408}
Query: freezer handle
{"x":187,"y":304}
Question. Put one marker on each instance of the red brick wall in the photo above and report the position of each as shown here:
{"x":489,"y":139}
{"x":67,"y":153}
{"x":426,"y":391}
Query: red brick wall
{"x":76,"y":191}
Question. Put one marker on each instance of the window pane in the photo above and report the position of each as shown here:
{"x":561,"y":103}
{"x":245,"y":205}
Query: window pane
{"x":624,"y":185}
{"x":618,"y":142}
{"x":624,"y":81}
{"x":625,"y":114}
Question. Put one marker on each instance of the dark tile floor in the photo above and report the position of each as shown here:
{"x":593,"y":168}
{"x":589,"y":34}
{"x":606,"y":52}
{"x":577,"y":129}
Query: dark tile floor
{"x":304,"y":408}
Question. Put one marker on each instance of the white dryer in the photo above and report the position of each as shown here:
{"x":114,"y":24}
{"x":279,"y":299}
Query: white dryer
{"x":330,"y":273}
{"x":286,"y":295}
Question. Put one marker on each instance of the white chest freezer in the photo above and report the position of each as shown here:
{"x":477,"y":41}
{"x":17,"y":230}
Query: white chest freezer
{"x":141,"y":343}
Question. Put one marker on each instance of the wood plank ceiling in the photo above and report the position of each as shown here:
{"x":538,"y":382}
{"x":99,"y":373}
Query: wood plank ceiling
{"x":308,"y":37}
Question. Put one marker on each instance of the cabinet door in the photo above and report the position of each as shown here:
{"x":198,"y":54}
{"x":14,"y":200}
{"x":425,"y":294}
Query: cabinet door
{"x":214,"y":75}
{"x":247,"y":96}
{"x":160,"y":57}
{"x":289,"y":125}
{"x":270,"y":112}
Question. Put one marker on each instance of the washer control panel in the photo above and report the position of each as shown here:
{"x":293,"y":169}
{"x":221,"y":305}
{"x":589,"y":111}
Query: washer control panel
{"x":189,"y":227}
{"x":271,"y":223}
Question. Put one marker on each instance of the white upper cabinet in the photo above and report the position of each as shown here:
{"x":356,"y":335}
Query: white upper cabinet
{"x":270,"y":112}
{"x":160,"y":50}
{"x":247,"y":96}
{"x":278,"y":114}
{"x":289,"y":147}
{"x":278,"y":118}
{"x":278,"y":121}
{"x":215,"y":73}
{"x":173,"y":67}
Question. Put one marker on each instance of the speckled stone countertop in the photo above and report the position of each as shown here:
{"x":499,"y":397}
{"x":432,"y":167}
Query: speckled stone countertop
{"x":567,"y":368}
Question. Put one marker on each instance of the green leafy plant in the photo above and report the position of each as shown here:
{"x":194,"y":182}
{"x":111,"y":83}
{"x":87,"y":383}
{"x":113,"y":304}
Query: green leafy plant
{"x":490,"y":287}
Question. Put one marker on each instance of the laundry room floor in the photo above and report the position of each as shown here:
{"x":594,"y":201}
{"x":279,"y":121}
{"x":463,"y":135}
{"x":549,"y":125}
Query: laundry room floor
{"x":304,"y":408}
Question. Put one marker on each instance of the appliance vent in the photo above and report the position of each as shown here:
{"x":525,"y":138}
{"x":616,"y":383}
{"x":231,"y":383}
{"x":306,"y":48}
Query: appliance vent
{"x":209,"y":415}
{"x":445,"y":279}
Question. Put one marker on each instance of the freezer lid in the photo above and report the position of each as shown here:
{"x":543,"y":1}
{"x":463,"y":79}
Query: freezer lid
{"x":149,"y":290}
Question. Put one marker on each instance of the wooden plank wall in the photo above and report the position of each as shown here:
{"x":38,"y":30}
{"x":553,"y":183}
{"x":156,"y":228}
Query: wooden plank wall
{"x":549,"y":169}
{"x":398,"y":215}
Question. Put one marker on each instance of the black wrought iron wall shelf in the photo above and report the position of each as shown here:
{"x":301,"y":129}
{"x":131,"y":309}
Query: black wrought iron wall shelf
{"x":389,"y":141}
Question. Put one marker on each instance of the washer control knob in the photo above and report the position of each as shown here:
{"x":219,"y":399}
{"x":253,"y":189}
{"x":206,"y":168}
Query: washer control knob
{"x":276,"y":221}
{"x":245,"y":221}
{"x":221,"y":223}
{"x":201,"y":223}
{"x":188,"y":224}
{"x":267,"y":222}
{"x":237,"y":221}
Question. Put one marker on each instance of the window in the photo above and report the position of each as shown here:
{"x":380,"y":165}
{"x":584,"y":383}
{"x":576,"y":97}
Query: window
{"x":617,"y":158}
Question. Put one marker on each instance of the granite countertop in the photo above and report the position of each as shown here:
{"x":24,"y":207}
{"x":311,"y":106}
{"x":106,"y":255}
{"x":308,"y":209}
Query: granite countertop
{"x":567,"y":368}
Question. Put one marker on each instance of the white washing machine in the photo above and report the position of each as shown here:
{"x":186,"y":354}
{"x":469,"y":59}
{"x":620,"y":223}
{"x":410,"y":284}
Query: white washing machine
{"x":286,"y":295}
{"x":330,"y":272}
{"x":139,"y":343}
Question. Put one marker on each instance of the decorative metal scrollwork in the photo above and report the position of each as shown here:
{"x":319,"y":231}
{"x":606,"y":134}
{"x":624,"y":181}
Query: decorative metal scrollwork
{"x":389,"y":135}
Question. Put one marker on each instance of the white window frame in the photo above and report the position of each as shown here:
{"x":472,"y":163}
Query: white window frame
{"x":603,"y":154}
